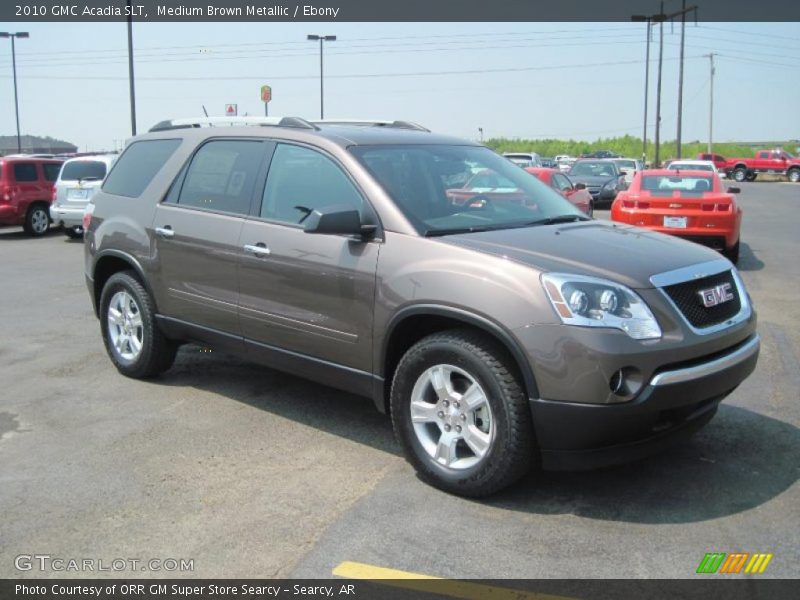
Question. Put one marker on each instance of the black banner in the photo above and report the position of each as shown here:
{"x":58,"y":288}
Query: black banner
{"x":704,"y":587}
{"x":383,"y":11}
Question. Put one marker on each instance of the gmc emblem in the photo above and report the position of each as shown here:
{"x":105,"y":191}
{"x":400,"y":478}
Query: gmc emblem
{"x":716,"y":295}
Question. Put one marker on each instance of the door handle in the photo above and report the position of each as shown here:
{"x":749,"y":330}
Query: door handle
{"x":257,"y":250}
{"x":165,"y":232}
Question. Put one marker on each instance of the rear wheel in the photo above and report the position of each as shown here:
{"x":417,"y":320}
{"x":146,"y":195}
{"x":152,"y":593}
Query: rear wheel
{"x":732,"y":253}
{"x":461,"y":414}
{"x":740,"y":174}
{"x":751,"y":177}
{"x":37,"y":220}
{"x":74,"y":233}
{"x":131,"y":335}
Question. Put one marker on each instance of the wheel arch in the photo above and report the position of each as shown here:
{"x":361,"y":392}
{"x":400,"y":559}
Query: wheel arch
{"x":109,"y":262}
{"x":411,"y":324}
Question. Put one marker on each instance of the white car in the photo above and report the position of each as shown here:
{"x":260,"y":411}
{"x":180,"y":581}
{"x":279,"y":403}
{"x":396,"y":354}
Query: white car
{"x":696,"y":165}
{"x":564,"y":162}
{"x":631,"y":166}
{"x":77,"y":182}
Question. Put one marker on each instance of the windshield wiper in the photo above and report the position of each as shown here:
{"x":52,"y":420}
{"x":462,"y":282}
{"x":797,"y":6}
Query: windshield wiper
{"x":557,"y":219}
{"x":457,"y":230}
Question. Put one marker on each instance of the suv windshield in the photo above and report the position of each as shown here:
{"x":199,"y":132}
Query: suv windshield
{"x":83,"y":169}
{"x":455,"y":189}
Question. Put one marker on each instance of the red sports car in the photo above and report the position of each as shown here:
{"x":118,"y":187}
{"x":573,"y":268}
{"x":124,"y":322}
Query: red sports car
{"x":687,"y":204}
{"x":575,"y":193}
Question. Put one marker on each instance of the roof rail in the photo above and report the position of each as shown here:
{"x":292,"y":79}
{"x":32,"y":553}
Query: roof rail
{"x":372,"y":123}
{"x":193,"y":122}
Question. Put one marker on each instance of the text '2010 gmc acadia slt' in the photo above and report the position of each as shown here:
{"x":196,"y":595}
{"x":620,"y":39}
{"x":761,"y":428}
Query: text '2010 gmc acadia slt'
{"x":501,"y":334}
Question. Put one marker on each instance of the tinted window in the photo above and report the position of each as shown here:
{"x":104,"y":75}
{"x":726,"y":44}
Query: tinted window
{"x":301,"y":180}
{"x":25,"y":172}
{"x":595,"y":169}
{"x":83,"y":169}
{"x":51,"y":171}
{"x":763,"y":155}
{"x":222,"y":175}
{"x":137,"y":166}
{"x":662,"y":184}
{"x":561,"y":183}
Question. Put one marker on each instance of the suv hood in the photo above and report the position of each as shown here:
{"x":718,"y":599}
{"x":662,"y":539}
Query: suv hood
{"x":621,"y":253}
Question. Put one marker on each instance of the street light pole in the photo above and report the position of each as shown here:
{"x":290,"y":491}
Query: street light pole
{"x":321,"y":39}
{"x":711,"y":104}
{"x":656,"y":160}
{"x":13,"y":36}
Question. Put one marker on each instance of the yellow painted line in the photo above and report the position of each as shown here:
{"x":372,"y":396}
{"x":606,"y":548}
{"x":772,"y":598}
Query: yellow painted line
{"x":435,"y":585}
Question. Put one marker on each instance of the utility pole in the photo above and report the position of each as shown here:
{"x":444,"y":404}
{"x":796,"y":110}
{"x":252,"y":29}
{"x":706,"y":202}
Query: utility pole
{"x":711,"y":104}
{"x":130,"y":69}
{"x":321,"y":38}
{"x":14,"y":36}
{"x":656,"y":161}
{"x":683,"y":12}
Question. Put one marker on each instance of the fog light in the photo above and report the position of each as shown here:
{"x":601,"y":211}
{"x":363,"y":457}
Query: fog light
{"x":626,"y":382}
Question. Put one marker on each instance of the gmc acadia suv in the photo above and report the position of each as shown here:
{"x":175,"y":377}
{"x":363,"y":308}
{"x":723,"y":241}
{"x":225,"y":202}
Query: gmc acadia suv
{"x":501,"y":334}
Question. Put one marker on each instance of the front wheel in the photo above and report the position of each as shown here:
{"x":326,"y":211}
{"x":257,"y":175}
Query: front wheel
{"x":131,"y":335}
{"x":461,"y":415}
{"x":740,"y":174}
{"x":793,"y":175}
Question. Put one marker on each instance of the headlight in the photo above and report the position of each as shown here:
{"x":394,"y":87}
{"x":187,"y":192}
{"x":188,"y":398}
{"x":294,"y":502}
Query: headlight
{"x":611,"y":185}
{"x":592,"y":302}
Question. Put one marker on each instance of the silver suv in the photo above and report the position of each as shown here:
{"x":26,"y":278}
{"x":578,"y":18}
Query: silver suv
{"x":77,"y":182}
{"x":501,"y":332}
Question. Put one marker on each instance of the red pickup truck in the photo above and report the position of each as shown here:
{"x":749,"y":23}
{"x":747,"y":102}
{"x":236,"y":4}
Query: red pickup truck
{"x":777,"y":162}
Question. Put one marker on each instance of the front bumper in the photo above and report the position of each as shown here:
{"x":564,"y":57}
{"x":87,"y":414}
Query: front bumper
{"x":67,"y":215}
{"x":676,"y":401}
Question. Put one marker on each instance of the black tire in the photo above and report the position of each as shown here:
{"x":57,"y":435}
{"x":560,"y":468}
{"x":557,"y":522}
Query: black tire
{"x":740,"y":174}
{"x":37,"y":219}
{"x":732,"y":253}
{"x":512,"y":450}
{"x":157,"y":352}
{"x":793,"y":175}
{"x":751,"y":176}
{"x":74,"y":233}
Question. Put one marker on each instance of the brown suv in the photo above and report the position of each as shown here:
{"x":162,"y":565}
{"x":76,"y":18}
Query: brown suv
{"x":501,"y":333}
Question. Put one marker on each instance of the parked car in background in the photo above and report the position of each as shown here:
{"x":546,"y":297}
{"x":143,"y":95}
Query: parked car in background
{"x":77,"y":182}
{"x":773,"y":162}
{"x":335,"y":253}
{"x":26,"y":190}
{"x":600,"y":154}
{"x":630,"y":166}
{"x":524,"y":159}
{"x":564,"y":162}
{"x":575,"y":193}
{"x":719,"y":161}
{"x":694,"y":165}
{"x":548,"y":162}
{"x":688,"y":204}
{"x":601,"y":177}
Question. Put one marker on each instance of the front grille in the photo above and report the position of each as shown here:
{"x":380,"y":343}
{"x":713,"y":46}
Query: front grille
{"x":686,"y":297}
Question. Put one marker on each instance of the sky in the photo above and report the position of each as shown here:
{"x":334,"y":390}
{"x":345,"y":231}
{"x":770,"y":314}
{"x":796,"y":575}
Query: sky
{"x":528,"y":80}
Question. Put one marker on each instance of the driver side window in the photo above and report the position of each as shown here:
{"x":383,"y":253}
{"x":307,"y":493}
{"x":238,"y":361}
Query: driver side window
{"x":301,"y":180}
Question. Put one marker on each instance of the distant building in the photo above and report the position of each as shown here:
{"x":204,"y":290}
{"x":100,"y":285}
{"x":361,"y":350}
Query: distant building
{"x":32,"y":144}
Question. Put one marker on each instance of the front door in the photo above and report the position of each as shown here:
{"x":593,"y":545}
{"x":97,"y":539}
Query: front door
{"x":309,"y":294}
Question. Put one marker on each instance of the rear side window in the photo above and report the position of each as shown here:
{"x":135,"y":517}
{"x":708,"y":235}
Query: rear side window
{"x":83,"y":169}
{"x":222,"y":175}
{"x":25,"y":172}
{"x":51,"y":171}
{"x":138,"y":165}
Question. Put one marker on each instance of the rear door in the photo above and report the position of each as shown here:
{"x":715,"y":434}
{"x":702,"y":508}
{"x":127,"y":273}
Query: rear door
{"x":310,"y":294}
{"x":28,"y":184}
{"x":197,"y":229}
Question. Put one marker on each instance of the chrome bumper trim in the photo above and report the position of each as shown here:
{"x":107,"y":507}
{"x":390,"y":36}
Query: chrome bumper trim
{"x":713,"y":366}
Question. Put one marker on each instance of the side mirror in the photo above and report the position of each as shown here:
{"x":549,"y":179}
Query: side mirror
{"x":580,"y":186}
{"x":734,"y":190}
{"x":337,"y":220}
{"x":623,"y":173}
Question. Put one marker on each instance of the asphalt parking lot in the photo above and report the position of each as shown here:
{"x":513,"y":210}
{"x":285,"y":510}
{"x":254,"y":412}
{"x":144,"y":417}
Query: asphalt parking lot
{"x":252,"y":473}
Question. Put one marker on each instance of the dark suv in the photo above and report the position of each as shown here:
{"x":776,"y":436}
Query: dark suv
{"x":501,"y":333}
